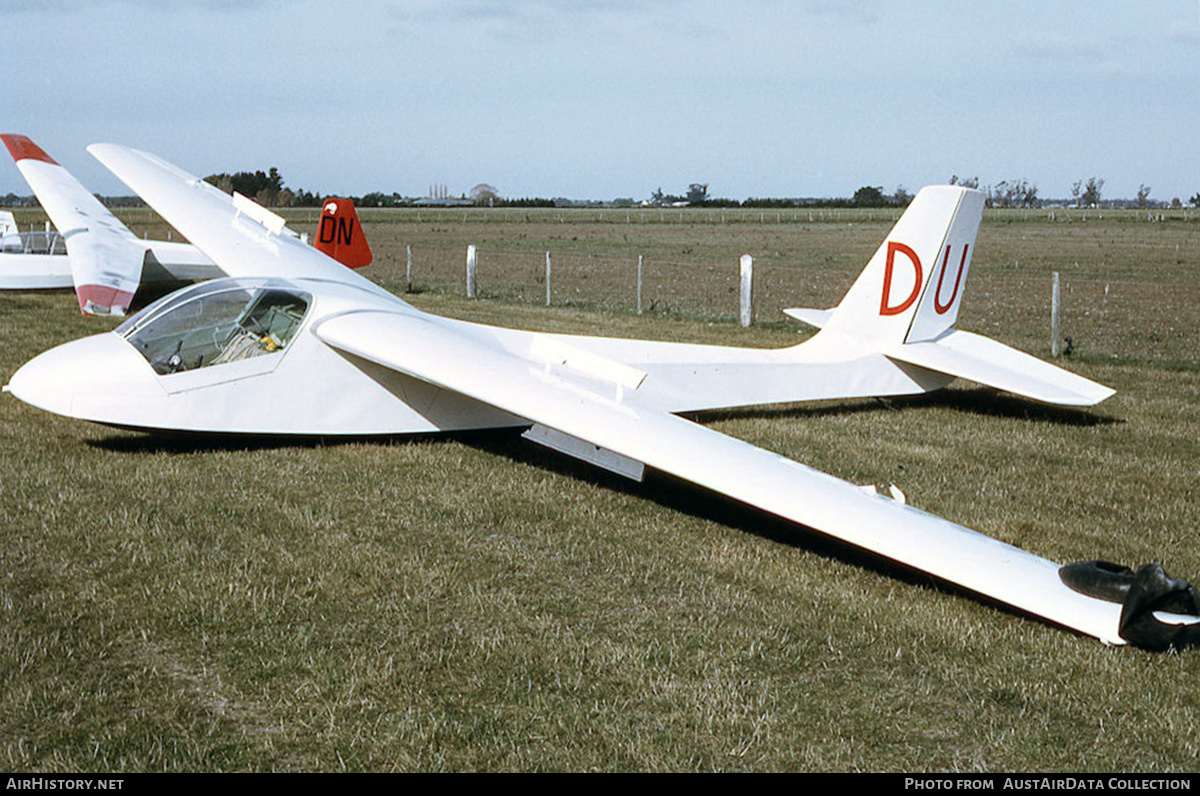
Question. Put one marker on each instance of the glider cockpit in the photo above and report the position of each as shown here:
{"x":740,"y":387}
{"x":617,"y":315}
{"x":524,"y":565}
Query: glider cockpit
{"x":216,"y":323}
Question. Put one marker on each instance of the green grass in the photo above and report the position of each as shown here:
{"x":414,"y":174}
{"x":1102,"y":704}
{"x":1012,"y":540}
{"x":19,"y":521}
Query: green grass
{"x":474,"y":603}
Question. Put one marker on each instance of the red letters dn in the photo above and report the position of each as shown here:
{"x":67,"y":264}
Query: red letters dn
{"x":896,"y":309}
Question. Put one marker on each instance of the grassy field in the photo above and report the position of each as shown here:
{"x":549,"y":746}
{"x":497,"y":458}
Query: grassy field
{"x":476,"y":603}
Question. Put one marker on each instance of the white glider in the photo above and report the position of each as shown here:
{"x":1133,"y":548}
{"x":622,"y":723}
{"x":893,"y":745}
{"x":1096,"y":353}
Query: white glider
{"x":109,"y":262}
{"x":106,"y":263}
{"x":31,"y":260}
{"x":296,"y":344}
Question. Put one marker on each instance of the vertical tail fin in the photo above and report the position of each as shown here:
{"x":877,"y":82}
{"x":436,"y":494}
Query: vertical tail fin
{"x":340,"y":235}
{"x":912,"y":287}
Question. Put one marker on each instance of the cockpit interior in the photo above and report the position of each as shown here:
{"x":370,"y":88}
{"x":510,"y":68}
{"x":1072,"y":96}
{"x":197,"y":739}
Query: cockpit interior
{"x":216,"y":323}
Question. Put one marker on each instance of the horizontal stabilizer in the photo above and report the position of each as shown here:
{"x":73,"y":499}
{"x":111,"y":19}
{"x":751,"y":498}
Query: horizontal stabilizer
{"x":814,"y":318}
{"x":993,"y":364}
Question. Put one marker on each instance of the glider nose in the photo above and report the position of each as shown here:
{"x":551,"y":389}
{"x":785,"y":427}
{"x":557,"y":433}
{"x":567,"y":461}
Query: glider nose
{"x":100,"y":378}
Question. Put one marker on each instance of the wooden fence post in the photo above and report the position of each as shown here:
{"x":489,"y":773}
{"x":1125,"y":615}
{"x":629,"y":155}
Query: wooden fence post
{"x":471,"y":271}
{"x":1055,"y":329}
{"x":747,"y":280}
{"x":639,"y":286}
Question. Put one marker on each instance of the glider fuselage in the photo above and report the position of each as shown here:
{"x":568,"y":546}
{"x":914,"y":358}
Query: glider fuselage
{"x":199,"y":360}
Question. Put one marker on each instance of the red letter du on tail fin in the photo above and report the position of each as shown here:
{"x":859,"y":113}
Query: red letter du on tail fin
{"x":885,"y":307}
{"x":340,"y":235}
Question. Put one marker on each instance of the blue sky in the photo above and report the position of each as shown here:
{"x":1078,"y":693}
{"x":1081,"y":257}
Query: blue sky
{"x":591,"y":99}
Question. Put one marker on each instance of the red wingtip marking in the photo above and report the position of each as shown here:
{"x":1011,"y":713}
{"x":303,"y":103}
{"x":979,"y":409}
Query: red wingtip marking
{"x":22,"y":148}
{"x":340,"y":235}
{"x":103,"y":300}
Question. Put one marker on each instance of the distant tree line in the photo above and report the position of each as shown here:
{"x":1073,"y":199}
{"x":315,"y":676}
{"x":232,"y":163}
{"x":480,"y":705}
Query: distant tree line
{"x":268,"y":189}
{"x":13,"y":200}
{"x":1087,"y":195}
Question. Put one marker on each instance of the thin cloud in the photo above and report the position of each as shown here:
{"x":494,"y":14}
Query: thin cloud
{"x":82,"y":6}
{"x":1060,"y":47}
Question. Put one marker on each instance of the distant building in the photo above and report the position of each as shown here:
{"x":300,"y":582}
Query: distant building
{"x":439,"y":196}
{"x":431,"y":202}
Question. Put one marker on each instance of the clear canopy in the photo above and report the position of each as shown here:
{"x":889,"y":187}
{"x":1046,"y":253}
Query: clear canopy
{"x":33,"y":243}
{"x":225,"y":320}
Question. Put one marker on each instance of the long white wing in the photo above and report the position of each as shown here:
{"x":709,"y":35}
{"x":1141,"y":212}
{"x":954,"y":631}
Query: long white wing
{"x":243,"y":238}
{"x":589,"y":407}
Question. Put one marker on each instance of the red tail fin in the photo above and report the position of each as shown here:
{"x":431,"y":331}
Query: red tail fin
{"x":340,"y":235}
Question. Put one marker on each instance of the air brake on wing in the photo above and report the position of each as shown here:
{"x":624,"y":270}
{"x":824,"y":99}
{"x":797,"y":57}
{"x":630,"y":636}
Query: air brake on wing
{"x":586,"y":451}
{"x":273,"y":222}
{"x":564,"y":360}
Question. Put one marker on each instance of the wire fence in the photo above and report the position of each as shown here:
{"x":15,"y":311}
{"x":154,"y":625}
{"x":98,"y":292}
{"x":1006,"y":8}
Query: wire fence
{"x":1100,"y":316}
{"x":1130,"y":280}
{"x":629,"y":283}
{"x":1119,"y":319}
